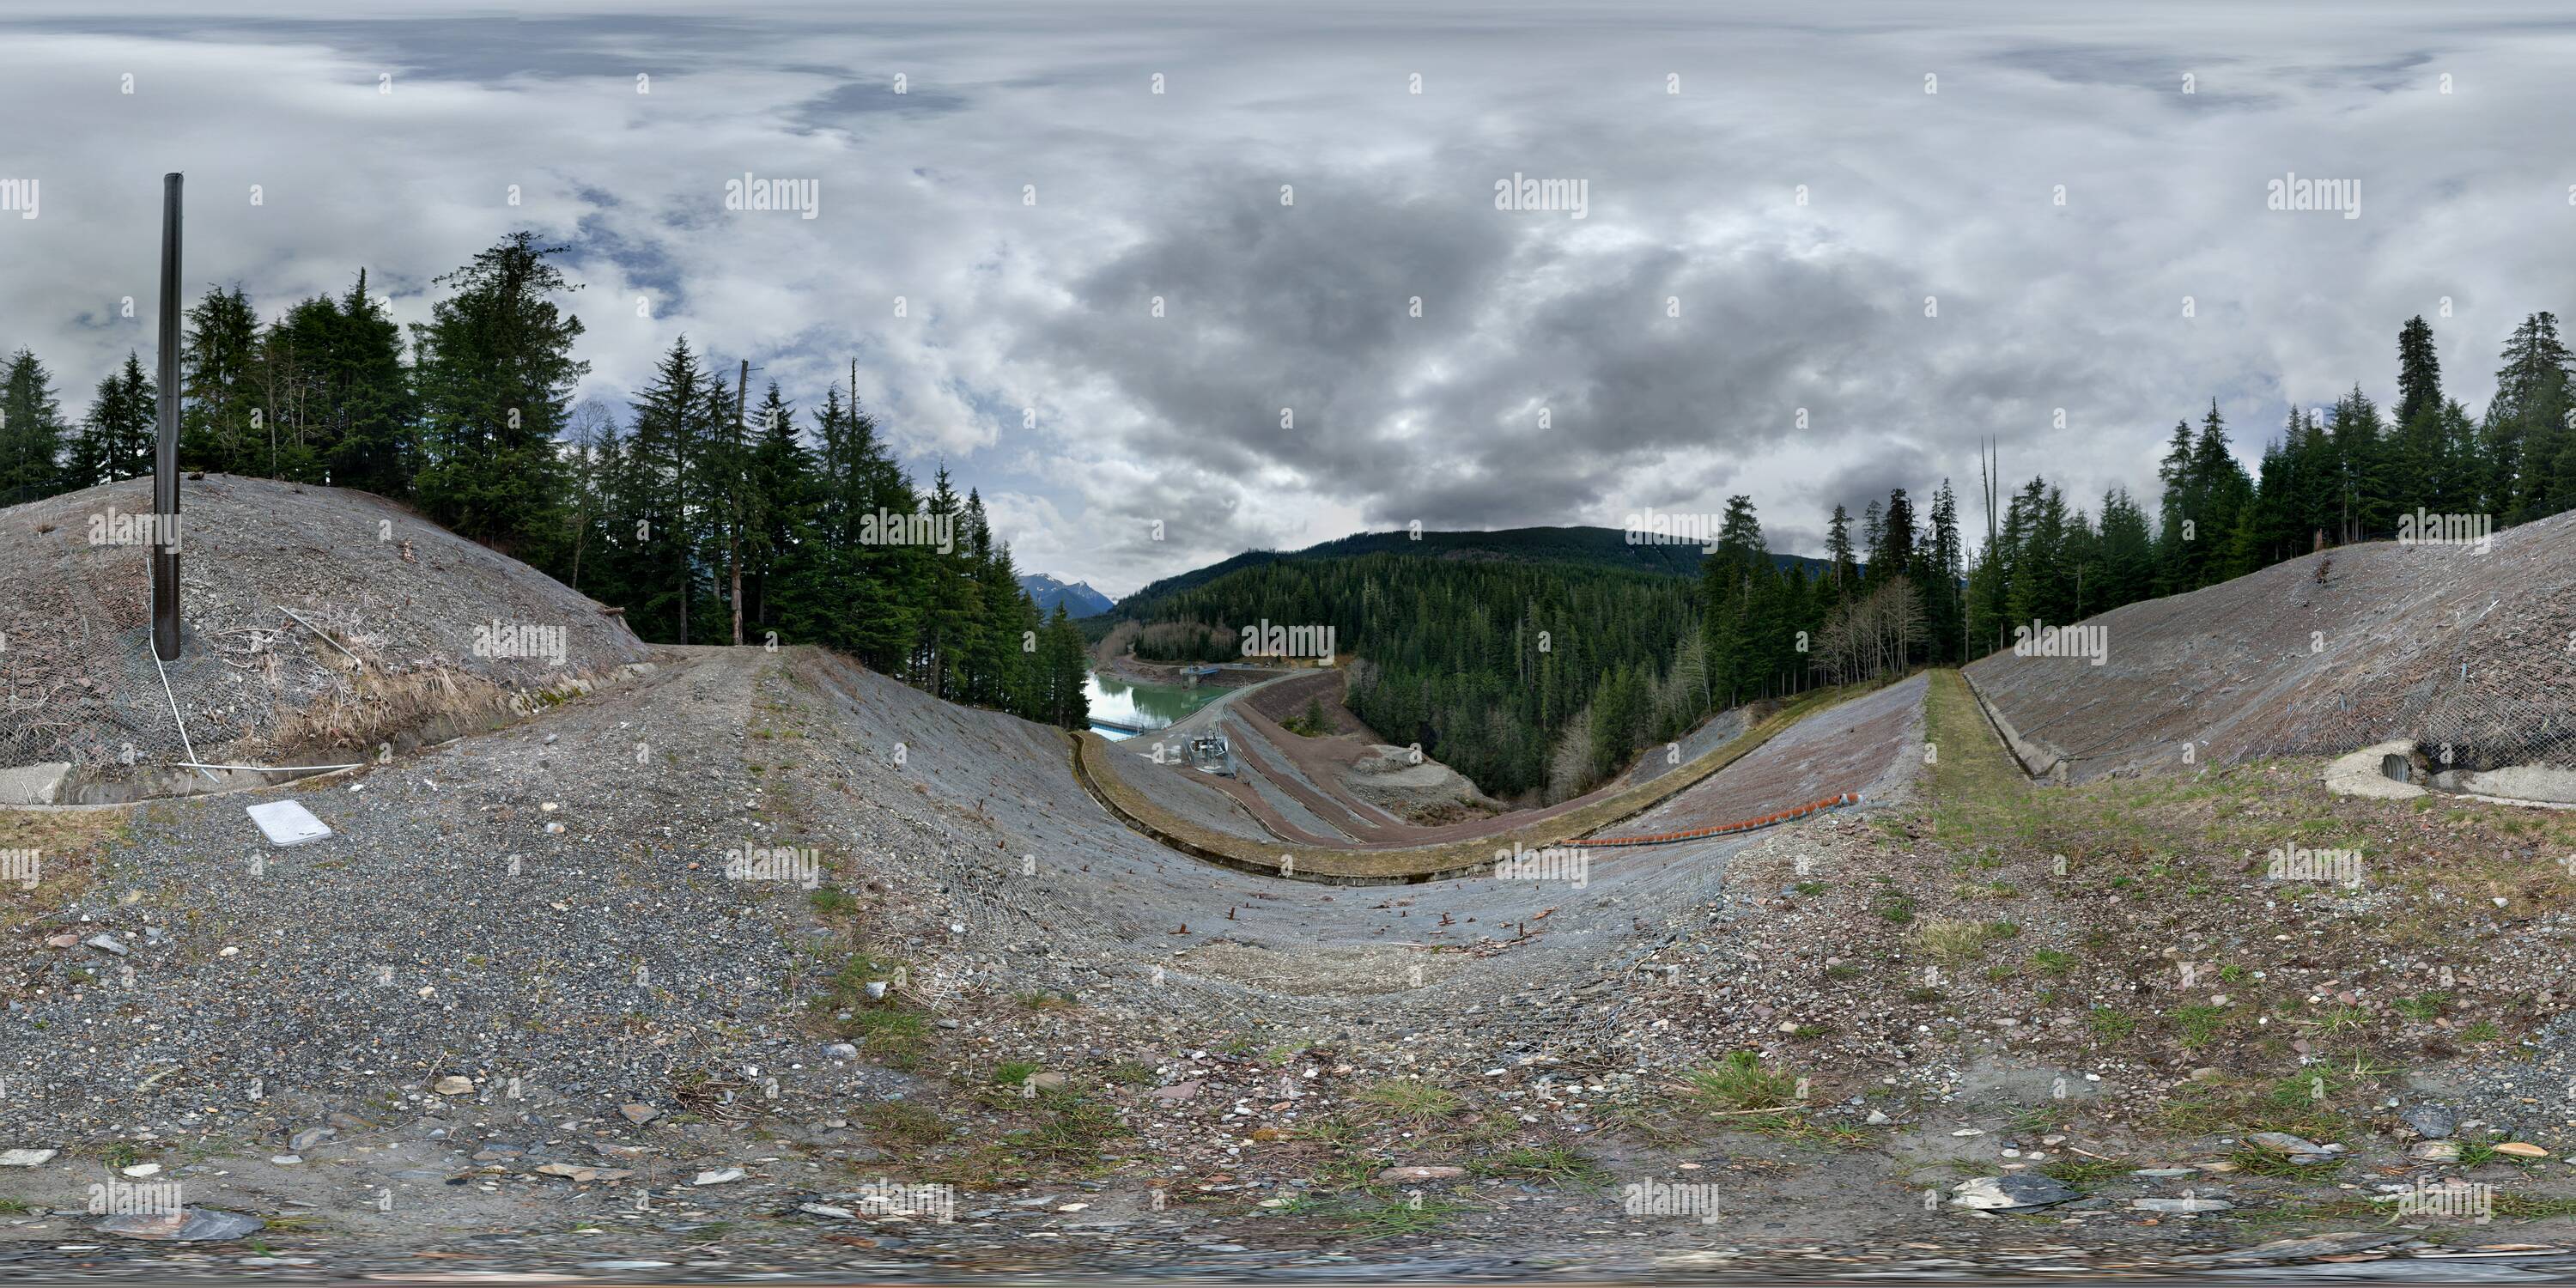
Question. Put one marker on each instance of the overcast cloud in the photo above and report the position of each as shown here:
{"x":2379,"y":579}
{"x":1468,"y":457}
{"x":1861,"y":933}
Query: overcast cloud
{"x":1669,"y":338}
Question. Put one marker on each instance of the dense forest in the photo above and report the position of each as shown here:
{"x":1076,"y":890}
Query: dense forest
{"x":1487,"y":661}
{"x":808,"y":514}
{"x":1604,"y":547}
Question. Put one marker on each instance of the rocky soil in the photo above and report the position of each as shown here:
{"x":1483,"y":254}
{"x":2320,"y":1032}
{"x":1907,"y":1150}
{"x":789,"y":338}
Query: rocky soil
{"x":622,"y":1036}
{"x":410,"y":610}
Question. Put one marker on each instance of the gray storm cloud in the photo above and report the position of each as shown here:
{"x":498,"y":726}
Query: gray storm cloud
{"x":1800,"y":227}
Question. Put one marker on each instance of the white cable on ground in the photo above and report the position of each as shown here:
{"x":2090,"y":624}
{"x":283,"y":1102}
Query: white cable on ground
{"x":362,"y":662}
{"x":270,"y":769}
{"x":174,"y":715}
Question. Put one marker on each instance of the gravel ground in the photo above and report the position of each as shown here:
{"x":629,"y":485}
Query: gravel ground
{"x":1234,"y":1028}
{"x":544,"y":904}
{"x":1858,"y":746}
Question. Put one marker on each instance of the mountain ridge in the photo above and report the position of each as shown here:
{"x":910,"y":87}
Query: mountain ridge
{"x":1079,"y":598}
{"x":1607,"y":547}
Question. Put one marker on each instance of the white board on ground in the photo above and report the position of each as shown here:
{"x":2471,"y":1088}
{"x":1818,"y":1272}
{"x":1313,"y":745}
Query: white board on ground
{"x":288,"y":823}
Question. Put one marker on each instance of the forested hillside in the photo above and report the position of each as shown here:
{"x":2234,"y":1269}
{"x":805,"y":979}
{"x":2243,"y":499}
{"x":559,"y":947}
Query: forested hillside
{"x":1602,"y":547}
{"x":1486,"y":661}
{"x":827,"y":537}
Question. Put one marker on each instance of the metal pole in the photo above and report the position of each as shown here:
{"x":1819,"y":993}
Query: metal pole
{"x":165,"y":456}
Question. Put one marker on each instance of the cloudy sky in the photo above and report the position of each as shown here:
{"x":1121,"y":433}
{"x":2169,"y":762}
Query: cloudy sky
{"x":1780,"y":220}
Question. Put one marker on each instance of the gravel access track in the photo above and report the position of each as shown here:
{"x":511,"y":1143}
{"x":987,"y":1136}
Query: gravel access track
{"x":546,"y":903}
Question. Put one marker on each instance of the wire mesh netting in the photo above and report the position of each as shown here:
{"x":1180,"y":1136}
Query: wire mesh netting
{"x":83,"y":686}
{"x":2469,"y":653}
{"x":284,"y":589}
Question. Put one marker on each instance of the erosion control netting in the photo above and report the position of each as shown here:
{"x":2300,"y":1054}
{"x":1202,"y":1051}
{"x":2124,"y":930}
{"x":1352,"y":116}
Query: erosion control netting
{"x":2470,"y":655}
{"x":368,"y":580}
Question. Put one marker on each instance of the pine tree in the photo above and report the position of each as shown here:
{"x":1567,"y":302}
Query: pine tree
{"x":1945,"y":609}
{"x":2362,"y":481}
{"x":1842,"y":569}
{"x":953,"y":605}
{"x":495,"y":376}
{"x":2178,"y":558}
{"x":31,"y":431}
{"x":780,"y":505}
{"x":669,"y":445}
{"x":2128,"y":552}
{"x":117,"y":436}
{"x":1061,"y":659}
{"x":1872,"y":533}
{"x":375,"y":443}
{"x":2527,"y":420}
{"x":2220,"y":491}
{"x":216,"y":361}
{"x":2419,"y":372}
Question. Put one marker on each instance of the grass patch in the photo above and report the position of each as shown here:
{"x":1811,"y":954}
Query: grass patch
{"x":67,"y":847}
{"x":2083,"y":1173}
{"x":2254,"y":1160}
{"x":1978,"y":794}
{"x":1070,"y":1129}
{"x":2199,"y":1025}
{"x":903,"y":1123}
{"x":1954,"y":941}
{"x":1739,"y":1082}
{"x":897,"y":1039}
{"x":2423,"y":1006}
{"x":1409,"y":1100}
{"x":1396,"y":1218}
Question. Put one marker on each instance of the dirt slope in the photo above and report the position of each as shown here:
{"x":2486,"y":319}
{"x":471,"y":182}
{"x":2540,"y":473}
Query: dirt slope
{"x":77,"y":683}
{"x":2320,"y":655}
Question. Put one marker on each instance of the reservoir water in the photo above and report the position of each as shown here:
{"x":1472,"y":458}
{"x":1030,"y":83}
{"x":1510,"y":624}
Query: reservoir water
{"x":1140,"y":704}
